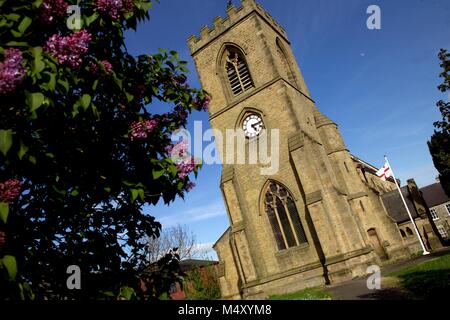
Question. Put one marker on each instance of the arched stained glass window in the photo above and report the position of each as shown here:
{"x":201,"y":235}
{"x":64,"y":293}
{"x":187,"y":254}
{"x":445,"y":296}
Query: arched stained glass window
{"x":283,"y":217}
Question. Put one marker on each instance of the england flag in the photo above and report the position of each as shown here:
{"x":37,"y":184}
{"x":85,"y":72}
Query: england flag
{"x":385,"y":172}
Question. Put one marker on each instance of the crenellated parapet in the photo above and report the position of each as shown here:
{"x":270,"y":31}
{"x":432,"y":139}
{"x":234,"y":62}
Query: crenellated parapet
{"x":234,"y":15}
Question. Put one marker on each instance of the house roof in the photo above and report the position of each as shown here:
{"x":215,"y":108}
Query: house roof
{"x":189,"y":264}
{"x":364,"y":163}
{"x":394,"y":205}
{"x":434,"y":195}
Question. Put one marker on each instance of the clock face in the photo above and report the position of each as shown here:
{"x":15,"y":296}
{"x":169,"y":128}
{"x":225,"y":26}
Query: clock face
{"x":252,"y":126}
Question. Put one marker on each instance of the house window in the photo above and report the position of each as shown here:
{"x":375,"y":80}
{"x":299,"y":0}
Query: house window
{"x":409,"y":231}
{"x":237,"y":72}
{"x":443,"y":232}
{"x":403,"y":233}
{"x":434,"y":214}
{"x":283,"y":217}
{"x":447,"y":206}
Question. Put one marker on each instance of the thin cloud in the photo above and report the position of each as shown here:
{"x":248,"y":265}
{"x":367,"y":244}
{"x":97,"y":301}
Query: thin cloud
{"x":197,"y":214}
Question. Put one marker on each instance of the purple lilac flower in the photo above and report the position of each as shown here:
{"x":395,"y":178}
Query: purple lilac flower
{"x":69,"y":49}
{"x":11,"y":70}
{"x":51,"y":9}
{"x":140,"y":130}
{"x":190,"y":185}
{"x":181,"y":113}
{"x":205,"y":103}
{"x":9,"y":190}
{"x":185,"y":167}
{"x":150,"y":125}
{"x":107,"y":67}
{"x":2,"y":238}
{"x":178,"y":150}
{"x":115,"y":8}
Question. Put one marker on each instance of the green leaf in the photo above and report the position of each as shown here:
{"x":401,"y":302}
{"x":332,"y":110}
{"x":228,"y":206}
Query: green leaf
{"x":130,"y":97}
{"x":127,"y":293}
{"x":134,"y":194}
{"x":108,"y":293}
{"x":5,"y":140}
{"x":85,"y":101}
{"x":92,"y":18}
{"x":94,"y":85}
{"x":9,"y":262}
{"x":22,"y":151}
{"x":65,"y":84}
{"x":158,"y":173}
{"x":37,"y":3}
{"x":118,"y":82}
{"x":17,"y":44}
{"x":52,"y":81}
{"x":15,"y":34}
{"x":38,"y":65}
{"x":13,"y":16}
{"x":28,"y":291}
{"x":146,"y":5}
{"x":24,"y":24}
{"x":21,"y":294}
{"x":34,"y":100}
{"x":4,"y":212}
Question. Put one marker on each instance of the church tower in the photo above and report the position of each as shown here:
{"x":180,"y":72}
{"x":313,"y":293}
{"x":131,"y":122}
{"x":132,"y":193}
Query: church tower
{"x":314,"y":221}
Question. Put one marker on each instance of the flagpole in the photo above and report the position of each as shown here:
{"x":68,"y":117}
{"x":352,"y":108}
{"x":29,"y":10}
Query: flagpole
{"x":425,"y":252}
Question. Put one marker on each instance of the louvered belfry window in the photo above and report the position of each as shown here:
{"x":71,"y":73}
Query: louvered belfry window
{"x":238,"y":73}
{"x":283,"y":217}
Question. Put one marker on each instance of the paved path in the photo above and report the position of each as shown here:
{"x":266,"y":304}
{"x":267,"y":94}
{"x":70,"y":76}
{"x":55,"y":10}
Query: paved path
{"x":356,"y":289}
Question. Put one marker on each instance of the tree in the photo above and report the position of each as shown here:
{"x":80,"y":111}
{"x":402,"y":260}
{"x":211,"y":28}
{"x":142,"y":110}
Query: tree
{"x":81,"y":150}
{"x":439,"y":143}
{"x":202,"y":284}
{"x":178,"y":237}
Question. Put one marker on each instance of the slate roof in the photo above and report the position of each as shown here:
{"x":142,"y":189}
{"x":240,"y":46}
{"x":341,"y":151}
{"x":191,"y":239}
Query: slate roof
{"x":394,"y":205}
{"x":434,"y":195}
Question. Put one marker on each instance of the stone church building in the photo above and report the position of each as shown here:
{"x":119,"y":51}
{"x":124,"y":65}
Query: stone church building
{"x":320,"y":218}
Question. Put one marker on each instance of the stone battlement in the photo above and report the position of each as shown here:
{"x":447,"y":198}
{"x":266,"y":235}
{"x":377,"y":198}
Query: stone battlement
{"x":234,"y":15}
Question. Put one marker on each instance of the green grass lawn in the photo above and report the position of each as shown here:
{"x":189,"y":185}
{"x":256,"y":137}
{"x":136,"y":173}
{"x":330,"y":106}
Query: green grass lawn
{"x":426,"y":280}
{"x":306,"y":294}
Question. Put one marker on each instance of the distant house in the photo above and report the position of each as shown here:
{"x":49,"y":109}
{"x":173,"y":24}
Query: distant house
{"x":439,"y":207}
{"x":420,"y":213}
{"x":176,"y":290}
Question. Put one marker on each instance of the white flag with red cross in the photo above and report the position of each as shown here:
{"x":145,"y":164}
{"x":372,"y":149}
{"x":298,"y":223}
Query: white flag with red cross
{"x":385,"y":172}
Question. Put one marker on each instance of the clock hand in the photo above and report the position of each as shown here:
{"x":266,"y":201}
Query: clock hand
{"x":255,"y":125}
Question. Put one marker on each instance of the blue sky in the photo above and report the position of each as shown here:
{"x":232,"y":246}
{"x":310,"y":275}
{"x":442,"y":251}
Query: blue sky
{"x":379,"y":86}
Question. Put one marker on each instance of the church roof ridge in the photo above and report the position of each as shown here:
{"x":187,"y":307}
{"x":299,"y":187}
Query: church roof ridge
{"x":234,"y":15}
